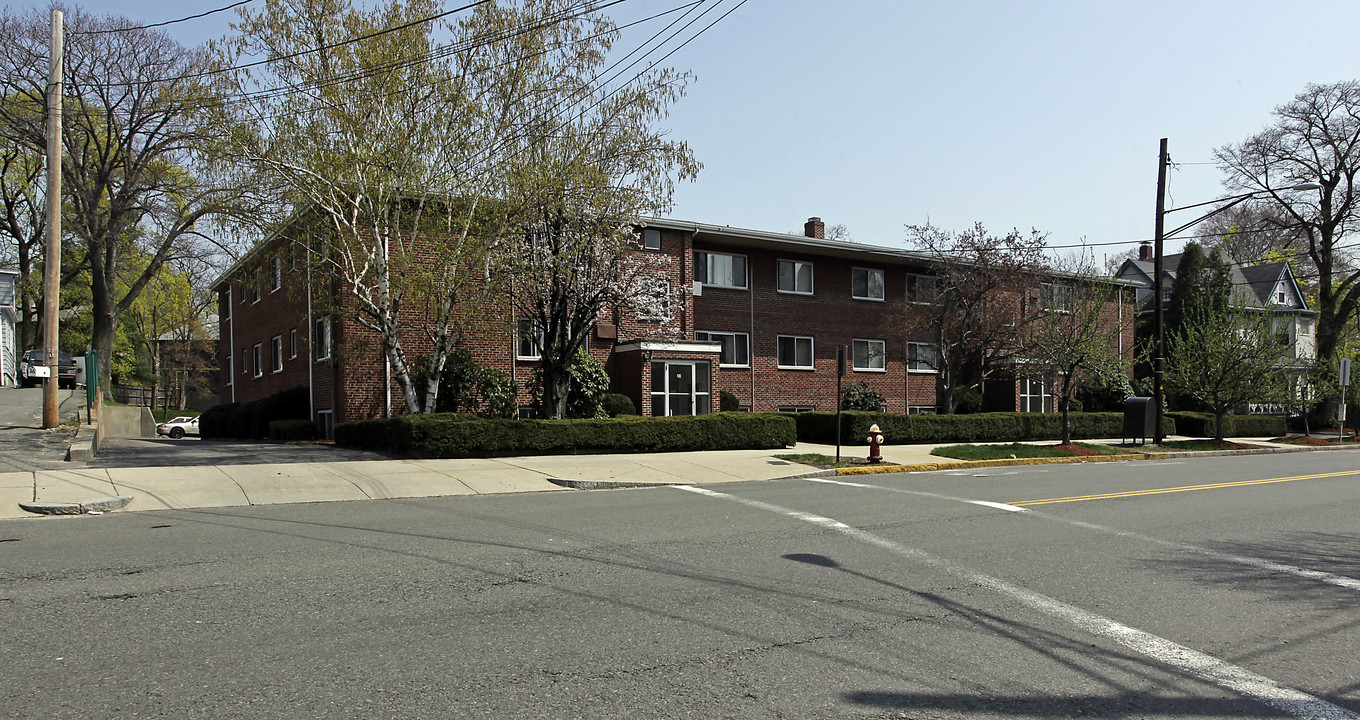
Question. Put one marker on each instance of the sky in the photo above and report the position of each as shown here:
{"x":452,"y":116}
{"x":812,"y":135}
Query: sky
{"x":1041,"y":114}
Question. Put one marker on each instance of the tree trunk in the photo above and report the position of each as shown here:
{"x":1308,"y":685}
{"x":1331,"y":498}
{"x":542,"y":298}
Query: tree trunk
{"x":556,"y":386}
{"x":1218,"y":425}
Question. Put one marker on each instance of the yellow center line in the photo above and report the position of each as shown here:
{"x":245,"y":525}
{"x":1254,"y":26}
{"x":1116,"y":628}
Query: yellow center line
{"x":1183,"y":488}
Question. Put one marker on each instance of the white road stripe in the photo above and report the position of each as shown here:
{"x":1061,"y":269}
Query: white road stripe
{"x":1192,"y":662}
{"x":1269,"y":565}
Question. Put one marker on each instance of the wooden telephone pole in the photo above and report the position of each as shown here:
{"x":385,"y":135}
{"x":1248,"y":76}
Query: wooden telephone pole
{"x":52,"y":263}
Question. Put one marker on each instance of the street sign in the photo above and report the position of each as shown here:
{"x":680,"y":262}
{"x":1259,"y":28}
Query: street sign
{"x":1345,"y":372}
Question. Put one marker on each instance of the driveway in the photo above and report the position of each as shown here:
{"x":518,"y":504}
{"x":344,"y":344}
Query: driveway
{"x":189,"y":451}
{"x":24,"y":445}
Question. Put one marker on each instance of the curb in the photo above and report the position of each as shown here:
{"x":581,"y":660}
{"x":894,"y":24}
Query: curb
{"x":103,"y":505}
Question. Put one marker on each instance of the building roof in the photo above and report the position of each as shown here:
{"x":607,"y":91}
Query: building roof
{"x":1255,"y":284}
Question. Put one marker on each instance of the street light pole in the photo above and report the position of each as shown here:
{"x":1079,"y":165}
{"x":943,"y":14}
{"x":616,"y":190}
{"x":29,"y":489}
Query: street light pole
{"x":1159,"y":362}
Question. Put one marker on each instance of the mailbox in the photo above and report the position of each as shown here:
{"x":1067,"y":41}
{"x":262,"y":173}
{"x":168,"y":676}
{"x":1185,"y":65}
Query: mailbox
{"x":1140,"y":419}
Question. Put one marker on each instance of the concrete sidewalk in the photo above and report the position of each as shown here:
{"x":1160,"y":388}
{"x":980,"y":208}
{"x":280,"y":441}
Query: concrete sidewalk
{"x":158,"y":488}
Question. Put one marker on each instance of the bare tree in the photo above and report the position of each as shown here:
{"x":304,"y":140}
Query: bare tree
{"x":1315,"y":139}
{"x":977,"y":314}
{"x":1075,"y":337}
{"x":137,"y":136}
{"x":22,"y":220}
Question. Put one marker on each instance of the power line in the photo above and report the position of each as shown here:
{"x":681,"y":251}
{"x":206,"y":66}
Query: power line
{"x":162,"y":24}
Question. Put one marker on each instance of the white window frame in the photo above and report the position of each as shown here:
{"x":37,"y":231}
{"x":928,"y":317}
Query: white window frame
{"x":257,"y":358}
{"x":921,"y":410}
{"x":651,"y":239}
{"x":869,"y":354}
{"x":534,"y":337}
{"x":812,"y":352}
{"x":704,"y":274}
{"x":245,"y":361}
{"x":699,"y":399}
{"x":914,"y":366}
{"x":292,"y":344}
{"x":745,"y":337}
{"x":1055,"y":297}
{"x":796,"y":408}
{"x":276,"y":349}
{"x":869,"y":272}
{"x":321,"y":339}
{"x":1027,"y":397}
{"x":796,"y":266}
{"x":276,"y":269}
{"x":914,"y":279}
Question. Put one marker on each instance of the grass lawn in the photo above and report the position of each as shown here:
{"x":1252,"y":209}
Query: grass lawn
{"x":1021,"y":450}
{"x":1197,"y":445}
{"x":825,"y":461}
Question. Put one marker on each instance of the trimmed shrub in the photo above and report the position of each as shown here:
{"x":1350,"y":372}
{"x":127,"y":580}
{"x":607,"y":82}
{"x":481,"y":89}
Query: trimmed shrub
{"x":252,"y":419}
{"x":615,"y":404}
{"x":448,"y":436}
{"x":727,"y":402}
{"x":820,"y":427}
{"x":292,"y":430}
{"x":1197,"y":424}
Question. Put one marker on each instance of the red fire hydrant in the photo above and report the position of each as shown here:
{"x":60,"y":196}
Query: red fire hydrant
{"x":875,"y":456}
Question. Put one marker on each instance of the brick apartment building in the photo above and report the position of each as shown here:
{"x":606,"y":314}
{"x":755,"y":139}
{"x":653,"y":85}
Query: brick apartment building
{"x":761,"y":317}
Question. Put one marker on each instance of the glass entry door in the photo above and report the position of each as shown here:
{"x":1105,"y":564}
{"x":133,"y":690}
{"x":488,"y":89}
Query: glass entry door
{"x":680,"y":388}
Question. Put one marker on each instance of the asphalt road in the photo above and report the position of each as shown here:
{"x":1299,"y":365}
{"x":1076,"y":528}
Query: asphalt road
{"x":789,"y":599}
{"x":24,"y":445}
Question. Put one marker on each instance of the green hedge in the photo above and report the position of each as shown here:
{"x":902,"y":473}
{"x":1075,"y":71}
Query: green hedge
{"x":252,"y":419}
{"x":292,"y":430}
{"x":1196,"y":424}
{"x":448,"y":436}
{"x":820,"y":427}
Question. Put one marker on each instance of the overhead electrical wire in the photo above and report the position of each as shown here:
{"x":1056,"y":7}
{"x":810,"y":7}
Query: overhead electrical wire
{"x":161,"y":24}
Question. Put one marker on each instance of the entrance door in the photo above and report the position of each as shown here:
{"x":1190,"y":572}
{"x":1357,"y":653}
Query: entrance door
{"x":680,"y":388}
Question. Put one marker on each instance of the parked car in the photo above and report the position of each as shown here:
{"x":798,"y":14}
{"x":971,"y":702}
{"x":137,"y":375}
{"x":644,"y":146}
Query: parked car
{"x":178,"y":427}
{"x":66,"y":369}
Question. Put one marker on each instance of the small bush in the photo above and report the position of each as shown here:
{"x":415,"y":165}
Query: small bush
{"x":448,"y":436}
{"x":860,"y":397}
{"x":615,"y":404}
{"x":727,"y":402}
{"x":292,"y":430}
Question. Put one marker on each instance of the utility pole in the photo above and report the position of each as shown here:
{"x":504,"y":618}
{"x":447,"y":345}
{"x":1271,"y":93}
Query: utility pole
{"x":1159,"y":362}
{"x":52,"y":263}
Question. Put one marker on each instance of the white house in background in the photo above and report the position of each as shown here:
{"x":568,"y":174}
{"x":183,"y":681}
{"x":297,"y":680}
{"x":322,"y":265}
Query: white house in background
{"x":9,"y":320}
{"x":1268,"y":288}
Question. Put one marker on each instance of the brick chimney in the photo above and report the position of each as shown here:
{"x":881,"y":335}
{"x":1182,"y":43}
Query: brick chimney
{"x":1145,"y":251}
{"x":815,"y":228}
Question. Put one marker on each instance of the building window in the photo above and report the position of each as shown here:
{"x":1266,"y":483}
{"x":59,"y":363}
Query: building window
{"x":866,"y":284}
{"x":680,"y":388}
{"x":276,"y":273}
{"x":870,"y":355}
{"x":528,"y":340}
{"x":321,"y":338}
{"x":720,"y":269}
{"x":257,"y":360}
{"x":795,"y":408}
{"x":736,"y":347}
{"x":653,"y":302}
{"x":225,"y":304}
{"x":795,"y":277}
{"x":923,"y":357}
{"x":245,"y":361}
{"x":1281,"y":298}
{"x":292,"y":343}
{"x":922,"y":288}
{"x":255,"y":282}
{"x":921,"y":410}
{"x":231,"y":368}
{"x":276,"y":349}
{"x":1034,"y":395}
{"x":795,"y":352}
{"x":1055,"y":297}
{"x":651,"y":239}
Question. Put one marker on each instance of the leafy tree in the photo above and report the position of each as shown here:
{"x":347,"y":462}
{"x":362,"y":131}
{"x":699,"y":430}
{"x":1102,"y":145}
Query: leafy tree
{"x":589,"y":383}
{"x":596,"y":162}
{"x":1226,"y":359}
{"x":23,"y":222}
{"x":1076,"y":339}
{"x":1315,"y":138}
{"x":1203,"y":285}
{"x":138,"y":137}
{"x":976,"y":315}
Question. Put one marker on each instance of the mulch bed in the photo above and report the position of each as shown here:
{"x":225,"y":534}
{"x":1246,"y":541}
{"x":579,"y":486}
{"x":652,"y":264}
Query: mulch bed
{"x":1078,"y":450}
{"x":1303,"y":440}
{"x":1228,"y":445}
